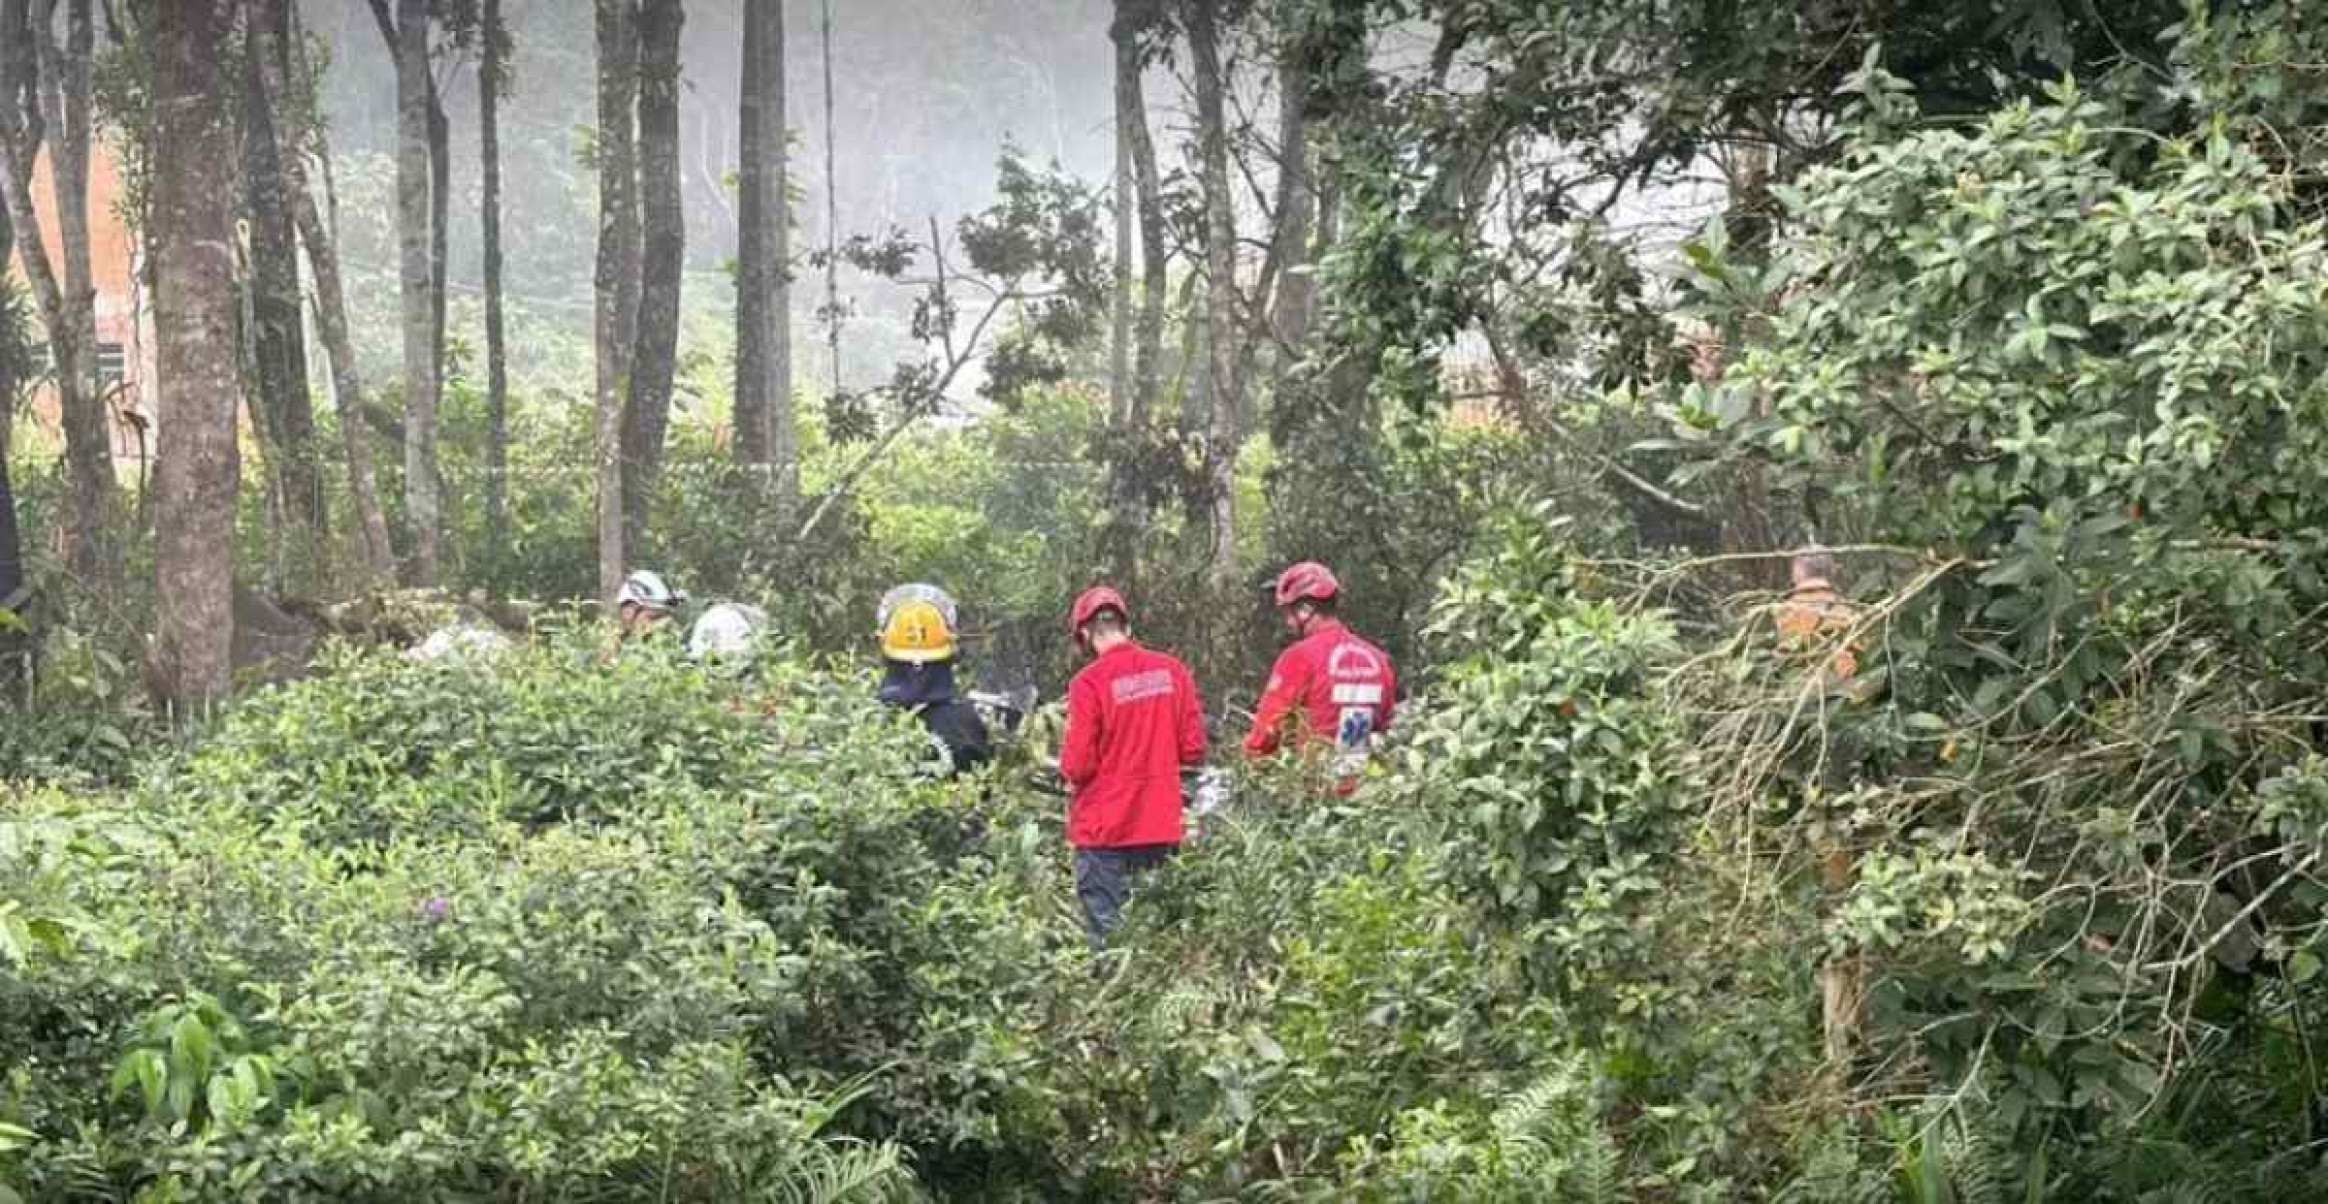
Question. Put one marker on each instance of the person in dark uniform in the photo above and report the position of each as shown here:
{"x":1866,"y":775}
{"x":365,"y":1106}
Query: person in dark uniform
{"x":918,"y":652}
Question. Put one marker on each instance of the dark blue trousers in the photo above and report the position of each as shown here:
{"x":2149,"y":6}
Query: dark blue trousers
{"x":1103,"y":882}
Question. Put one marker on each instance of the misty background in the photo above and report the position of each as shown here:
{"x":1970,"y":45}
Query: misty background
{"x":926,"y":93}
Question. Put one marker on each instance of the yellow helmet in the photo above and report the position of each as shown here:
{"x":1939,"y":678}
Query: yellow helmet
{"x":917,"y":624}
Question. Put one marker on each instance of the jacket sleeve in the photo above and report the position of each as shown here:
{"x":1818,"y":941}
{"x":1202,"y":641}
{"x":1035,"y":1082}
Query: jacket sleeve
{"x":1079,"y":750}
{"x":958,"y":726}
{"x":1287,"y":679}
{"x":1191,"y":720}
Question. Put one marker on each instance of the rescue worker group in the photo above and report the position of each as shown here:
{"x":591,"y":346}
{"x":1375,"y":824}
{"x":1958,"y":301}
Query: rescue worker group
{"x":1135,"y":720}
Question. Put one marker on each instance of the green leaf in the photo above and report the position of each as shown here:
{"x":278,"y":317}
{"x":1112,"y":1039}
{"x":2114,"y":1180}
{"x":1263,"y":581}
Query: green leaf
{"x":191,"y":1045}
{"x":220,"y":1098}
{"x":152,"y":1077}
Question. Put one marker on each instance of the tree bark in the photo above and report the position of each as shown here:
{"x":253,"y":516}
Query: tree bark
{"x":277,"y":336}
{"x":832,"y":305}
{"x":1139,"y":191}
{"x":1119,"y":335}
{"x":45,"y":87}
{"x":765,"y":431}
{"x":1220,"y":255}
{"x":195,"y":476}
{"x":664,"y":248}
{"x":616,"y":285}
{"x":492,"y":80}
{"x":15,"y":642}
{"x":1289,"y":252}
{"x":415,"y":240}
{"x":289,"y":62}
{"x":440,"y":213}
{"x":1155,"y":267}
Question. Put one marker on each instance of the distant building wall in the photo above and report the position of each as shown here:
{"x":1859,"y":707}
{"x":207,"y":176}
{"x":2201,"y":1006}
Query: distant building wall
{"x":125,"y":342}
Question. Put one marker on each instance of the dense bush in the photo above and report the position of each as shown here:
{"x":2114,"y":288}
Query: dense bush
{"x":335,"y":954}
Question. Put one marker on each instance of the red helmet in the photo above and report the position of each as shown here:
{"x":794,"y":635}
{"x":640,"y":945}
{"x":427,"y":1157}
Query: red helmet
{"x":1306,"y":580}
{"x":1092,"y":601}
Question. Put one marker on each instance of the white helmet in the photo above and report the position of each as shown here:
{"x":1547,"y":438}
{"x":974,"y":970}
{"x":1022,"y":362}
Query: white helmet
{"x":726,"y":630}
{"x":646,"y":589}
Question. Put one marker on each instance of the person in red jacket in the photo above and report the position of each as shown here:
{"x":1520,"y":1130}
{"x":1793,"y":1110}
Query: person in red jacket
{"x":1133,"y":719}
{"x":1331,"y":689}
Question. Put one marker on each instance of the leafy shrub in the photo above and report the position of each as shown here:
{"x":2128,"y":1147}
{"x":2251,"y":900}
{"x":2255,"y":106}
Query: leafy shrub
{"x":302,"y":966}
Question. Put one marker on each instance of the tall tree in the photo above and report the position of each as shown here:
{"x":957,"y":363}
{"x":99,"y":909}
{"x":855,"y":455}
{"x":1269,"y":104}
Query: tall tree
{"x":1119,"y":332}
{"x":832,"y":305}
{"x":1290,"y":245}
{"x":492,"y":82}
{"x":193,"y":237}
{"x":440,"y":214}
{"x":664,"y":248}
{"x":277,"y":337}
{"x":290,"y":87}
{"x":414,"y":230}
{"x":765,"y":431}
{"x":616,"y":285}
{"x":45,"y":93}
{"x":1137,"y":180}
{"x":1220,"y":261}
{"x":455,"y":19}
{"x":15,"y":591}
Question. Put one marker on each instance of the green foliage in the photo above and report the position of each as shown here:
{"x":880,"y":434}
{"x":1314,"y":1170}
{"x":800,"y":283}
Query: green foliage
{"x":574,"y":924}
{"x":1554,"y":755}
{"x":1545,"y":1141}
{"x":2050,"y":318}
{"x":87,"y":721}
{"x":308,"y":964}
{"x":2078,"y":364}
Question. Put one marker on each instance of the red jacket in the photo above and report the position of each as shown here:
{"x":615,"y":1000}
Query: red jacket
{"x":1133,"y":719}
{"x":1341,"y":687}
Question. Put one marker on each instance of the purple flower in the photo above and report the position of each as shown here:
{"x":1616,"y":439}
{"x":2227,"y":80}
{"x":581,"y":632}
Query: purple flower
{"x":436,"y":907}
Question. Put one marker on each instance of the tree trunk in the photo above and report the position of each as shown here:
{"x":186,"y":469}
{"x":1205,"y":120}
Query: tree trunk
{"x":195,"y":477}
{"x":1119,"y":334}
{"x":1195,"y":385}
{"x":832,"y":303}
{"x":765,"y":431}
{"x":43,"y":85}
{"x":1748,"y":523}
{"x":1289,"y":251}
{"x":492,"y":79}
{"x":664,"y":249}
{"x":617,"y":278}
{"x":1220,"y":256}
{"x":15,"y":642}
{"x":277,"y":336}
{"x":1139,"y":190}
{"x":440,"y":213}
{"x":414,"y":240}
{"x":1329,"y":218}
{"x":1155,"y":264}
{"x":288,"y":62}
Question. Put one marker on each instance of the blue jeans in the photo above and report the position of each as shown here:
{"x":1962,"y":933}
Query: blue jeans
{"x":1103,"y":882}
